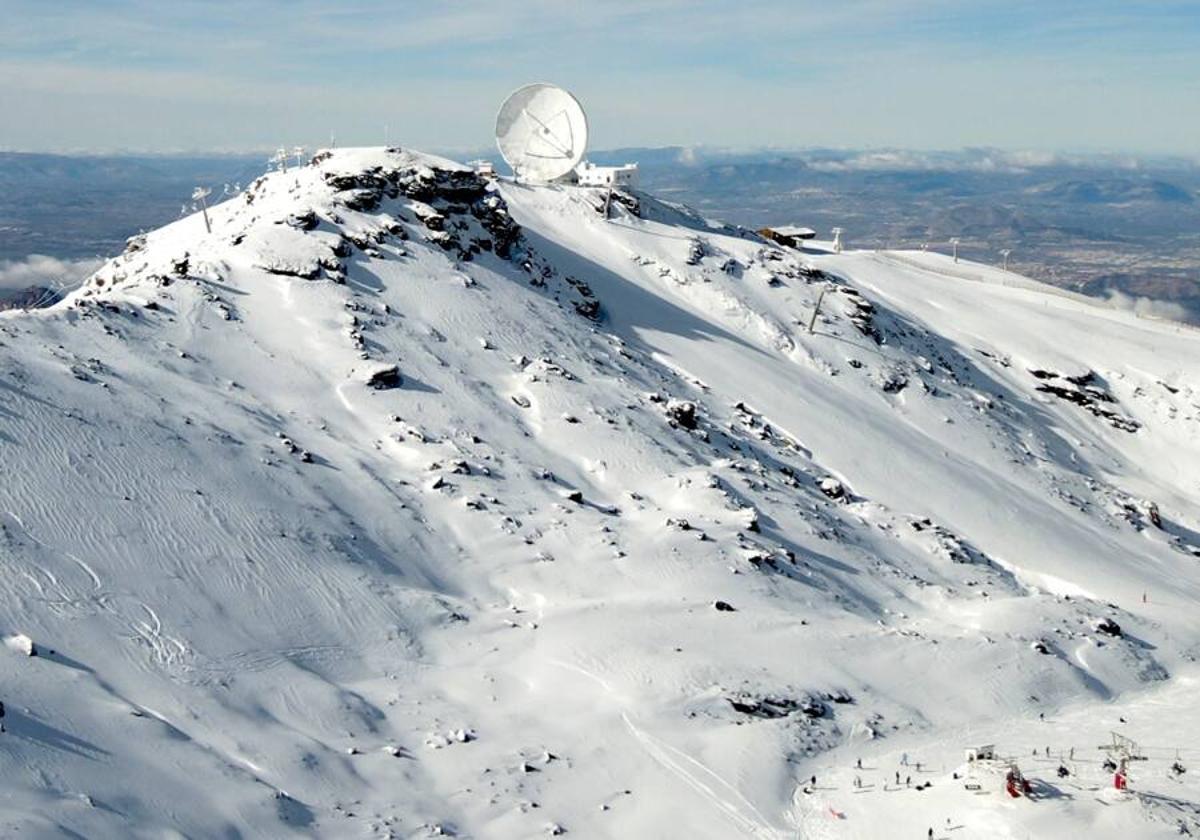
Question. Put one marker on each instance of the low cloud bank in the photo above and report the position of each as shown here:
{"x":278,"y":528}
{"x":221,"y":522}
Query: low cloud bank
{"x":963,"y":160}
{"x":1148,"y":307}
{"x":41,"y":270}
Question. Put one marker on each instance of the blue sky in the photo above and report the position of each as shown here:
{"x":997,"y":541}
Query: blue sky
{"x":171,"y":75}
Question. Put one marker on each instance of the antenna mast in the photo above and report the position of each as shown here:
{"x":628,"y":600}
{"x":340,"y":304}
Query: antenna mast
{"x":200,"y":194}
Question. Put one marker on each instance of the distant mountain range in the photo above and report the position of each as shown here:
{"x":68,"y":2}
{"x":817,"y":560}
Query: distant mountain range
{"x":1117,"y":191}
{"x":73,"y":207}
{"x":31,"y":297}
{"x":1098,"y":224}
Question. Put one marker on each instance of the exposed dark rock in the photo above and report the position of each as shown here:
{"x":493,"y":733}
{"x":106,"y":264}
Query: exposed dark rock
{"x":385,"y":377}
{"x":492,"y":213}
{"x":771,"y":707}
{"x":1087,"y":391}
{"x":813,"y":708}
{"x":682,"y":413}
{"x":862,"y":313}
{"x":833,"y":488}
{"x":893,"y":381}
{"x":588,"y":308}
{"x":768,"y":708}
{"x":1155,"y":516}
{"x":302,"y":221}
{"x":628,"y":201}
{"x":285,"y":268}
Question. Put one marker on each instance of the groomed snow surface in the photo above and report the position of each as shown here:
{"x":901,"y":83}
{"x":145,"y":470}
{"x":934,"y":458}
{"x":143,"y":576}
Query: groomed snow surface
{"x":408,"y":503}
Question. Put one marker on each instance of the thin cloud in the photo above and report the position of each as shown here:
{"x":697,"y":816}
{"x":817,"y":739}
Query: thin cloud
{"x":906,"y":73}
{"x":1147,"y":307}
{"x":41,"y":270}
{"x":965,"y":160}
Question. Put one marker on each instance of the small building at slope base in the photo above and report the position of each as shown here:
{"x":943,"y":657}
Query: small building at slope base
{"x":986,"y":752}
{"x":790,"y":236}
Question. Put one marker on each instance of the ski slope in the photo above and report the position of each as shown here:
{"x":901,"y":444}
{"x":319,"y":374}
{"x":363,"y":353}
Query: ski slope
{"x":408,"y":503}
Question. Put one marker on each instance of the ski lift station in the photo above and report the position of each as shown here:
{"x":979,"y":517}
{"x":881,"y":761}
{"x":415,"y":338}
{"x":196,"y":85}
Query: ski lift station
{"x":542,"y":133}
{"x":986,"y":752}
{"x":790,"y":236}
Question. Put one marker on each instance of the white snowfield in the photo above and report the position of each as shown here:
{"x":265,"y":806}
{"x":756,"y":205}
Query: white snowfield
{"x":407,"y":503}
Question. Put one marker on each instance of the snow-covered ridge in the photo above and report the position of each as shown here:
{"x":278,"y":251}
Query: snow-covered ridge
{"x":410,"y":501}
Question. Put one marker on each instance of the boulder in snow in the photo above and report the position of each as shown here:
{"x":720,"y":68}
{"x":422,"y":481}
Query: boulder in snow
{"x":383,"y":376}
{"x":833,"y":488}
{"x":682,"y":413}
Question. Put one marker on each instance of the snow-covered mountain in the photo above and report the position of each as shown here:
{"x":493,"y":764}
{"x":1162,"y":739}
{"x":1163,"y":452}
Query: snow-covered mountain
{"x":407,"y":502}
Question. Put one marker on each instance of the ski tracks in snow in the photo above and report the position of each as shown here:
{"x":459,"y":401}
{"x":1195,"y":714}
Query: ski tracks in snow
{"x":813,"y":815}
{"x":706,"y":782}
{"x":61,"y":597}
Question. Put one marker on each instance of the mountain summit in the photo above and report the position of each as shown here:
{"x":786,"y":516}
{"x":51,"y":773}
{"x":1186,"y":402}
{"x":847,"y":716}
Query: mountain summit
{"x":410,"y":502}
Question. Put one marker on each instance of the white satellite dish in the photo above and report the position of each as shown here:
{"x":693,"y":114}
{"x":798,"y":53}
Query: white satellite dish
{"x":541,"y":131}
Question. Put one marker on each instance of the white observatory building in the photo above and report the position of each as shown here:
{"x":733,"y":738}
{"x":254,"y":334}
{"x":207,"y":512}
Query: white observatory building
{"x":591,"y":175}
